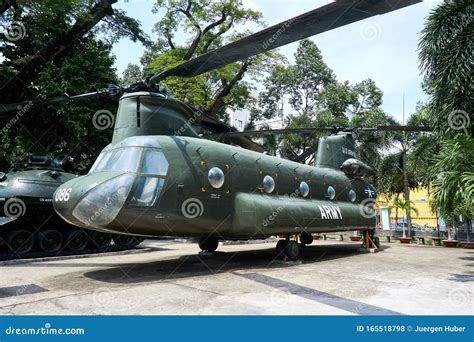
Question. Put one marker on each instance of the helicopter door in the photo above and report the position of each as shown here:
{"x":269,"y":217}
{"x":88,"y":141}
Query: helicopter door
{"x":151,"y":179}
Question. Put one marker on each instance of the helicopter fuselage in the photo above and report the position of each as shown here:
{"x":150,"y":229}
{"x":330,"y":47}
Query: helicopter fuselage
{"x":162,"y":186}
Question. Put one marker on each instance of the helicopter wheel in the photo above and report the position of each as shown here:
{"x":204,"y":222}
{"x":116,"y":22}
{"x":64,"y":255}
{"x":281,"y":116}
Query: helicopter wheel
{"x":77,"y":240}
{"x":289,"y":250}
{"x":306,"y":238}
{"x":20,"y":241}
{"x":128,"y":241}
{"x":50,"y":241}
{"x":209,"y":244}
{"x":101,"y":240}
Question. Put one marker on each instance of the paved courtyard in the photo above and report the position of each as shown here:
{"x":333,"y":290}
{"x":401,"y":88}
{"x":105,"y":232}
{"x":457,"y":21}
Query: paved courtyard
{"x":170,"y":278}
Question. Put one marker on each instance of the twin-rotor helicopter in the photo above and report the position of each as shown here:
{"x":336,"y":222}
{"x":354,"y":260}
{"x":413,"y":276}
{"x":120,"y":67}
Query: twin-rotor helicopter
{"x":152,"y":182}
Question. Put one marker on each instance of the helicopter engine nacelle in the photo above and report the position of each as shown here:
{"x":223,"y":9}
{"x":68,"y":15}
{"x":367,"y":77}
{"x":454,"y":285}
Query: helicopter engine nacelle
{"x":354,"y":168}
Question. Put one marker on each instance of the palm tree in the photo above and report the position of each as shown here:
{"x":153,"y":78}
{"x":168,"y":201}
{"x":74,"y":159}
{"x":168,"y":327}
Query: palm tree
{"x":401,"y":204}
{"x":453,"y":184}
{"x":446,"y":52}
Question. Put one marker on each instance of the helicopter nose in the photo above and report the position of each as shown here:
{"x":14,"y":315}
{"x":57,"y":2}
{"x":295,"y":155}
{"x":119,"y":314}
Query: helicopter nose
{"x":93,"y":200}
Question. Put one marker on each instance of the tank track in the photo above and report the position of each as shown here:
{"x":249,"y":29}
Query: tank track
{"x":46,"y":235}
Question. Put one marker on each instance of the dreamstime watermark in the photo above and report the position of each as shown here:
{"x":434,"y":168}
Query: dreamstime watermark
{"x":14,"y":207}
{"x":370,"y":30}
{"x":460,"y":297}
{"x":47,"y":329}
{"x":102,"y":209}
{"x":192,"y":208}
{"x":14,"y":31}
{"x":281,"y":297}
{"x":103,"y":119}
{"x":190,"y":122}
{"x":103,"y":297}
{"x":21,"y":110}
{"x":269,"y":220}
{"x":459,"y":119}
{"x":366,"y":208}
{"x":278,"y":33}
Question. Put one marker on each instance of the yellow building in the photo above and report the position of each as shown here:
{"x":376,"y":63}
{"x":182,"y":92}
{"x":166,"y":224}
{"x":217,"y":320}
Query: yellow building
{"x":421,"y":201}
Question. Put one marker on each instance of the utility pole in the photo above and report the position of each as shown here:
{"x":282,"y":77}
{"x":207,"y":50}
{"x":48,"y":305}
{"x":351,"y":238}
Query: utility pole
{"x":406,"y":184}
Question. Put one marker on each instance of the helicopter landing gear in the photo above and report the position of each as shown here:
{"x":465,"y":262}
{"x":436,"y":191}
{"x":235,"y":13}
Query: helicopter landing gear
{"x":288,"y":250}
{"x":208,"y":244}
{"x":370,"y":242}
{"x":306,"y":238}
{"x":50,"y":241}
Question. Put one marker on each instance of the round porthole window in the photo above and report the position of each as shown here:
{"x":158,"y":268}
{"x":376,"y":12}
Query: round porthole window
{"x":331,"y":193}
{"x":216,"y":177}
{"x":304,"y":189}
{"x":352,"y":195}
{"x":268,"y":184}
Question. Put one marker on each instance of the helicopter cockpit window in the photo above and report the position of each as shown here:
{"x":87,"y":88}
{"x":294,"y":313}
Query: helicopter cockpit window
{"x":154,"y":163}
{"x":148,"y":189}
{"x":150,"y":184}
{"x":120,"y":159}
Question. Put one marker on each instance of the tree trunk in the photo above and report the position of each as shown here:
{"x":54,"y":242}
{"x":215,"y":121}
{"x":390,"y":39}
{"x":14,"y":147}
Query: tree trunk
{"x":406,"y":191}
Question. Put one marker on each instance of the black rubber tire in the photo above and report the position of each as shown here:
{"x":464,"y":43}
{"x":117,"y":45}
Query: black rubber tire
{"x":306,"y":238}
{"x":209,"y":244}
{"x":292,"y":251}
{"x":20,"y":241}
{"x":281,"y":245}
{"x":50,"y":240}
{"x":77,"y":240}
{"x":101,"y":240}
{"x":128,"y":241}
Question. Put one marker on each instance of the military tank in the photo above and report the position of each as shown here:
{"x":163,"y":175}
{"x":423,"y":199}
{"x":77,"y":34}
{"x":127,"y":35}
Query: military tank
{"x":29,"y":226}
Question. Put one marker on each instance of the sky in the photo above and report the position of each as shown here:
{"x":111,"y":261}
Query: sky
{"x":383,"y":48}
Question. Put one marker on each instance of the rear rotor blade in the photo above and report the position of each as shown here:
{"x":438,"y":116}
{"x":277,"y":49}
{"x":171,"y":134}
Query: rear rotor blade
{"x":310,"y":130}
{"x":336,"y":14}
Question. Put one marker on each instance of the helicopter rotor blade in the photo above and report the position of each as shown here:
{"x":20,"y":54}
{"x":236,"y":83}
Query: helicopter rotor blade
{"x":311,"y":130}
{"x":336,"y":14}
{"x":111,"y":92}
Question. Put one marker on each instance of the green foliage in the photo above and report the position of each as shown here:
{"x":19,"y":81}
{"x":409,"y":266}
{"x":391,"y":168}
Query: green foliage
{"x":453,"y":178}
{"x":446,"y":51}
{"x":206,"y":26}
{"x":65,"y":128}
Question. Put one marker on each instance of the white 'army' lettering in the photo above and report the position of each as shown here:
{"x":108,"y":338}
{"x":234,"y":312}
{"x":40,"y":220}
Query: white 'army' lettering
{"x":330,"y":212}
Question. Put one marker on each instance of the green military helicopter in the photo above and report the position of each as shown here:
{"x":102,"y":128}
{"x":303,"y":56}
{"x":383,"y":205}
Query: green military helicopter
{"x":160,"y":177}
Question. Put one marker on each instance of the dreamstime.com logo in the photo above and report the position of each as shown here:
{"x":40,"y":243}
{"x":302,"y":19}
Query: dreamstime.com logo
{"x":47,"y":329}
{"x":460,"y":297}
{"x":14,"y":31}
{"x":459,"y":119}
{"x":366,"y":208}
{"x":103,"y":119}
{"x":14,"y":207}
{"x":192,"y":208}
{"x":370,"y":30}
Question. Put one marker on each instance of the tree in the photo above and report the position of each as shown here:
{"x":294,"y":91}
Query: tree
{"x":206,"y":26}
{"x":453,"y":180}
{"x":132,"y":73}
{"x":83,"y":63}
{"x":446,"y":51}
{"x":400,"y":204}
